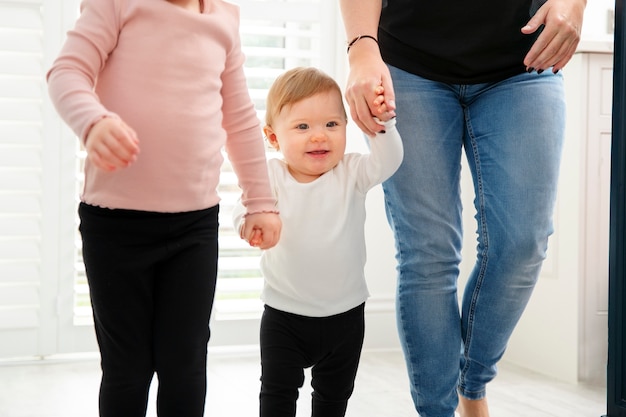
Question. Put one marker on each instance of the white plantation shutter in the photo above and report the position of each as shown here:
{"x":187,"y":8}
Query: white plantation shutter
{"x":44,"y":297}
{"x":21,"y":188}
{"x":29,"y":186}
{"x":82,"y":313}
{"x":239,"y":279}
{"x":38,"y":190}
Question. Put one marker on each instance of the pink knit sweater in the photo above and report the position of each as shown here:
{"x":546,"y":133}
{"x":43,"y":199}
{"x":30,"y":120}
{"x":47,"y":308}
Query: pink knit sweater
{"x":176,"y":78}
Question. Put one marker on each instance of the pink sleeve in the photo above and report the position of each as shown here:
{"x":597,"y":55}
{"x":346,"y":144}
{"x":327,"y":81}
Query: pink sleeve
{"x":73,"y":74}
{"x":244,"y":143}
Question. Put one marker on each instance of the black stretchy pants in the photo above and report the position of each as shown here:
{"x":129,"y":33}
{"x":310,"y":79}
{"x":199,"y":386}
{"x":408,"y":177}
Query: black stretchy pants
{"x":152,"y":282}
{"x":331,"y":346}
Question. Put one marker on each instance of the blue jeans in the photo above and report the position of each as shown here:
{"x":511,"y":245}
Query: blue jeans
{"x":512,"y":132}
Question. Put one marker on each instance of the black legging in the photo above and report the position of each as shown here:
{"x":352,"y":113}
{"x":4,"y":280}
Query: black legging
{"x":290,"y":343}
{"x":152,"y":282}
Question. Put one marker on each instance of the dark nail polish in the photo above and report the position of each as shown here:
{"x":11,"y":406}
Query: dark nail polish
{"x":539,"y":71}
{"x":556,"y":71}
{"x":529,"y":69}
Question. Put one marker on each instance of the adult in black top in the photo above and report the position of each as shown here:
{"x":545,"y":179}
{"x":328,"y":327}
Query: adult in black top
{"x":482,"y":77}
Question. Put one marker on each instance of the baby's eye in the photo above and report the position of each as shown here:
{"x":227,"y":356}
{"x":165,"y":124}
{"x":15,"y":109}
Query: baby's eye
{"x":302,"y":126}
{"x":332,"y":124}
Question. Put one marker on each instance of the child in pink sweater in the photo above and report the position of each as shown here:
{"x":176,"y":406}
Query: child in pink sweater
{"x":154,"y":89}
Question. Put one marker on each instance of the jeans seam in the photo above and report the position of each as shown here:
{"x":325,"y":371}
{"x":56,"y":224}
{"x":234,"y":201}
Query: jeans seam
{"x":483,"y":236}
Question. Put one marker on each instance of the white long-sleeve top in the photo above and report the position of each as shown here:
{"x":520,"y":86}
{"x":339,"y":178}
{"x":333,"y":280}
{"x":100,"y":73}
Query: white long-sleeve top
{"x":317,"y":267}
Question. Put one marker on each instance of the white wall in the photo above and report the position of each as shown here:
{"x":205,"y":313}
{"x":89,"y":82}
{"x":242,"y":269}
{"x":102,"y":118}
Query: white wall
{"x":598,"y":24}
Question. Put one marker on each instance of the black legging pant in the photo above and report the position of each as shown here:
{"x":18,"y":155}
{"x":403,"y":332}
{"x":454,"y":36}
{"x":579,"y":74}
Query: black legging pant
{"x":152,"y":282}
{"x":290,"y":343}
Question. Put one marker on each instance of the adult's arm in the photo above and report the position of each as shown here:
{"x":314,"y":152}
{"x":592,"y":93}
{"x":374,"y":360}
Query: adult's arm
{"x":367,"y":69}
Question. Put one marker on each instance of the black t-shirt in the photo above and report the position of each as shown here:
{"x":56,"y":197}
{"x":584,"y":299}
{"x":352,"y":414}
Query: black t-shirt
{"x":456,"y":41}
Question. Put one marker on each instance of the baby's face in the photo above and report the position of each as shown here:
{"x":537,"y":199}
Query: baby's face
{"x":311,"y":135}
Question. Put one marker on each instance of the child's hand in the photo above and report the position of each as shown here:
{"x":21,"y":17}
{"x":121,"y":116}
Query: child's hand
{"x":381,"y":110}
{"x":261,"y":230}
{"x":111,"y":144}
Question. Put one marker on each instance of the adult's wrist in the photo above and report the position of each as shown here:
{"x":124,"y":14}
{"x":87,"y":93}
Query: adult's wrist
{"x":358,"y":38}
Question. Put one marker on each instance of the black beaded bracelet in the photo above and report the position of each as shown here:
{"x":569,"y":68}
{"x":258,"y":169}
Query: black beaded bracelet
{"x":355,"y":40}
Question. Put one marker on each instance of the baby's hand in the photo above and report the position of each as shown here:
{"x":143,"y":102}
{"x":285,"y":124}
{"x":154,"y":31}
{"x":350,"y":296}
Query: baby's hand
{"x":111,"y":144}
{"x":257,"y":237}
{"x":380,"y":107}
{"x":261,"y":230}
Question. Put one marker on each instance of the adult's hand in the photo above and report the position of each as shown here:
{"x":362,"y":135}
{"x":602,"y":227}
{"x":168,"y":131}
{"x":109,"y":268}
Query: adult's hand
{"x":555,"y":46}
{"x":368,"y":73}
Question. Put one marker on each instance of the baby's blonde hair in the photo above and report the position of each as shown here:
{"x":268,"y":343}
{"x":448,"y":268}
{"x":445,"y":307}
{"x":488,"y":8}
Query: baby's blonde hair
{"x":297,"y":84}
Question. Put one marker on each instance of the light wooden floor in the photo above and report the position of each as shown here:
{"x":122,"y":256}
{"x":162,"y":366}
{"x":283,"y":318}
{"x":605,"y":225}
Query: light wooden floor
{"x":69,"y":388}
